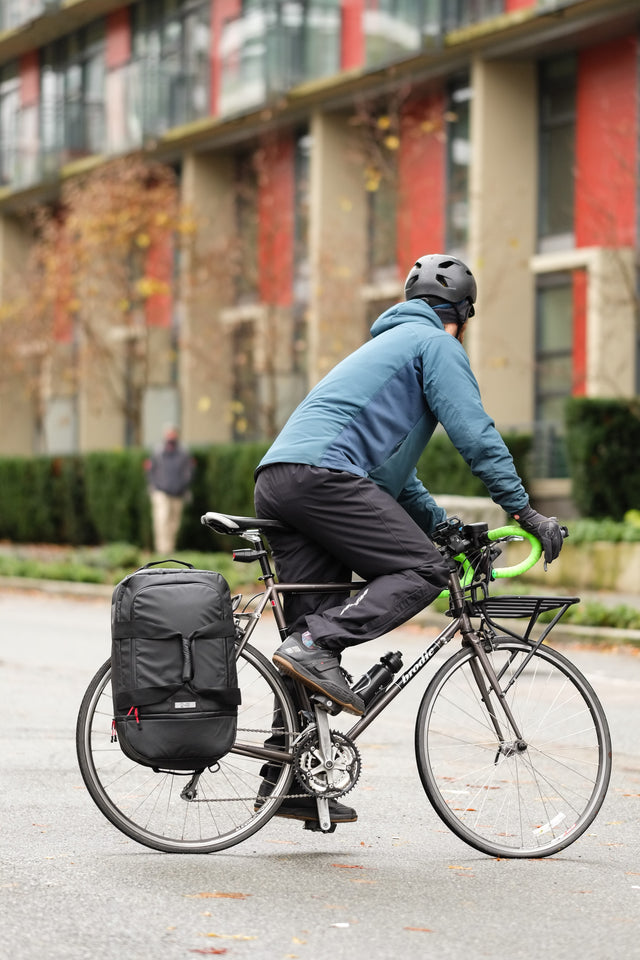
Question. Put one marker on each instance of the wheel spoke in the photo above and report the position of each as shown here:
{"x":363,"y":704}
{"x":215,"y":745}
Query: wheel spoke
{"x":150,"y":807}
{"x":520,"y":798}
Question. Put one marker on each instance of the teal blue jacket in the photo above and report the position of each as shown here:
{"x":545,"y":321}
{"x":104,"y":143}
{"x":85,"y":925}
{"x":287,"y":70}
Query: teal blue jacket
{"x":375,"y":412}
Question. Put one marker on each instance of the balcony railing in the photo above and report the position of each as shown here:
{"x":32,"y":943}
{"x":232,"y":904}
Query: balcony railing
{"x":13,"y":13}
{"x":275,"y":47}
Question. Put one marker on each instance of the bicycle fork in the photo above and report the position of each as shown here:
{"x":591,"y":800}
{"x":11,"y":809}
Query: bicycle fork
{"x":487,"y":680}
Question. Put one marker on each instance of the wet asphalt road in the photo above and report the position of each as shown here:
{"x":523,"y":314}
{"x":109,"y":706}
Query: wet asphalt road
{"x":396,"y":883}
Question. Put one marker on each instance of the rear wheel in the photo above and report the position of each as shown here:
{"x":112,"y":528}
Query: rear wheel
{"x":173,"y":812}
{"x":516,"y":798}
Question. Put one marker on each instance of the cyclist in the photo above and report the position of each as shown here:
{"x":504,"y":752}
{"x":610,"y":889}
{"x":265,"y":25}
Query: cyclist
{"x":341,"y":475}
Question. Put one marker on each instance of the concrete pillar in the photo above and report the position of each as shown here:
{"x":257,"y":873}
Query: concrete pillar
{"x":17,"y":407}
{"x":503,"y":191}
{"x":337,"y":241}
{"x":208,"y":192}
{"x":612,"y":308}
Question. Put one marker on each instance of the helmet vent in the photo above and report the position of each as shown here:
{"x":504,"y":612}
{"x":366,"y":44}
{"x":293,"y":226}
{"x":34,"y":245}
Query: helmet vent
{"x":441,"y":280}
{"x":446,"y":263}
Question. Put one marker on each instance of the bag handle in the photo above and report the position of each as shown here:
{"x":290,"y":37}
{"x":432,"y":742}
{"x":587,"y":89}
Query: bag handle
{"x":155,"y":563}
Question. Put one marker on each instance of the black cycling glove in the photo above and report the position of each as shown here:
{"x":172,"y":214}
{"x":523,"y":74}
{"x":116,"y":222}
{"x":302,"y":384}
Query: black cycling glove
{"x":546,"y":529}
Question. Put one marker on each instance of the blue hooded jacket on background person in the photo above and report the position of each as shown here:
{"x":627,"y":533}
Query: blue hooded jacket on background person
{"x":375,"y":412}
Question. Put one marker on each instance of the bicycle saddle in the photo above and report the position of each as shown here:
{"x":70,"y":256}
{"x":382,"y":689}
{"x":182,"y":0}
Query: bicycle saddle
{"x":226,"y":523}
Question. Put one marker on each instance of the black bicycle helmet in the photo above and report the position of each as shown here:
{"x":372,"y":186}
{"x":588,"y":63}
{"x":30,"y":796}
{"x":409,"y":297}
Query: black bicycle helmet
{"x":439,"y":277}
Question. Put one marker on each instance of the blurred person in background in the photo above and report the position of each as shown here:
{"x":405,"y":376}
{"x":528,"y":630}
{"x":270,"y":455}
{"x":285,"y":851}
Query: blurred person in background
{"x":169,"y":475}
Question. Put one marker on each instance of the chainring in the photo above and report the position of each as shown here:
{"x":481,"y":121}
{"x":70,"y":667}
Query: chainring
{"x":310,"y":769}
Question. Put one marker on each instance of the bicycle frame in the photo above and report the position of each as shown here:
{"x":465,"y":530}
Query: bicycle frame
{"x":484,"y":674}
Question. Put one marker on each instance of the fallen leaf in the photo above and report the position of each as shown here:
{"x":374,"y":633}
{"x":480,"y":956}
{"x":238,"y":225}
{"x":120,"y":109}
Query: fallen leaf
{"x":347,"y":866}
{"x":419,"y":929}
{"x":452,"y":867}
{"x":230,"y":936}
{"x":215,"y":895}
{"x":297,"y":940}
{"x":210,"y":950}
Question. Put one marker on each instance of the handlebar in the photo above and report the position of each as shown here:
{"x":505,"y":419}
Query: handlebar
{"x":501,"y":533}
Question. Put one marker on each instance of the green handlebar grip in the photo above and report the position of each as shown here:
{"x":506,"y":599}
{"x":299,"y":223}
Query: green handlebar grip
{"x":531,"y":559}
{"x":514,"y":571}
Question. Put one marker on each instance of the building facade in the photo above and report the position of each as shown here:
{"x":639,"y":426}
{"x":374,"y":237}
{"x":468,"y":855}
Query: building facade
{"x":322,"y":146}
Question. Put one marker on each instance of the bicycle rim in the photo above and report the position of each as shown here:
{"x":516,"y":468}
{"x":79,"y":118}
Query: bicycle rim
{"x":514,"y":801}
{"x":150,"y":807}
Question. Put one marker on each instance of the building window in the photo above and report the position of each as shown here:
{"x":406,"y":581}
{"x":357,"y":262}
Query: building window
{"x":246,"y":261}
{"x":458,"y":160}
{"x":382,"y":232}
{"x":553,"y":371}
{"x":9,"y":123}
{"x":170,"y":63}
{"x":244,"y":406}
{"x":557,"y":110}
{"x":72,"y":107}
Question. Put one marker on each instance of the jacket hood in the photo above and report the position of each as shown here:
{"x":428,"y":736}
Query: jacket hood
{"x":411,"y":311}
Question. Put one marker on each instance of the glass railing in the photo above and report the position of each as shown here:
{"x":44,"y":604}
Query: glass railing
{"x":13,"y":13}
{"x":149,"y":97}
{"x":20,"y":162}
{"x":464,"y":13}
{"x":396,"y":29}
{"x":274,"y":47}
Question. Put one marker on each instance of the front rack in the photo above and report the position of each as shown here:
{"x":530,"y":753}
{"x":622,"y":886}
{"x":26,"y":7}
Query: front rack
{"x":493,"y":609}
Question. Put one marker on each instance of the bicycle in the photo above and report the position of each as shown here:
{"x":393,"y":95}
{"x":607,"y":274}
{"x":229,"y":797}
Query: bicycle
{"x":512,"y":744}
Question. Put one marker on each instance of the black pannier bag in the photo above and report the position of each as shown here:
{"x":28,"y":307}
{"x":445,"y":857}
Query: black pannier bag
{"x":173,"y":665}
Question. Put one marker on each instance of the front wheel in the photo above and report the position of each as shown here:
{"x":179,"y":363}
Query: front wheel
{"x":506,"y":796}
{"x":177,"y":812}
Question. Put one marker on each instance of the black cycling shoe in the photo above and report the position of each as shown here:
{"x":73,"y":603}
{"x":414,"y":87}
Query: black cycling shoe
{"x":305,"y":808}
{"x":319,"y":669}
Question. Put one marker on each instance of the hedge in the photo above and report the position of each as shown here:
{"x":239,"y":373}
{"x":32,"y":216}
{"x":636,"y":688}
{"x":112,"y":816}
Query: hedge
{"x":603,"y":440}
{"x":102,"y":497}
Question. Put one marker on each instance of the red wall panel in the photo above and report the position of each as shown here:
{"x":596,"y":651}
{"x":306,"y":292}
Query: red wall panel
{"x":276,"y":222}
{"x":29,"y":79}
{"x":118,"y":45}
{"x":421,"y":180}
{"x":519,"y":4}
{"x":606,"y":144}
{"x":352,"y":47}
{"x":159,"y":267}
{"x":221,"y":10}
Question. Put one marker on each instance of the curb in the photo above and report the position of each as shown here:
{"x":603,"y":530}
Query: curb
{"x":92,"y":591}
{"x":562,"y":633}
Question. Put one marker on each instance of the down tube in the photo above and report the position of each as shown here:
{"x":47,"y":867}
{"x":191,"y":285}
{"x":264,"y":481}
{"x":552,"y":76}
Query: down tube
{"x":398,"y":685}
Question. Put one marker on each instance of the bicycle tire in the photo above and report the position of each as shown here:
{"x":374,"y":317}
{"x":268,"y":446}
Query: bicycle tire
{"x":535,"y":801}
{"x":149,"y":806}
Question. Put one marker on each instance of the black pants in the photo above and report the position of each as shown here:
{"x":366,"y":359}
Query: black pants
{"x":341,"y":523}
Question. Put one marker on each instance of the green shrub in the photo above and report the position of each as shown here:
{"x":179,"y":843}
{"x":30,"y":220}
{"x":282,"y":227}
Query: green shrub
{"x":442,"y":469}
{"x":603,"y":439}
{"x":607,"y":530}
{"x":102,"y":497}
{"x":116,"y":496}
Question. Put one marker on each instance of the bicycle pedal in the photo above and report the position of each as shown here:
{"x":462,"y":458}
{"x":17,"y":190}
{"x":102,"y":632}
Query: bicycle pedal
{"x":315,"y":827}
{"x":331,"y":707}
